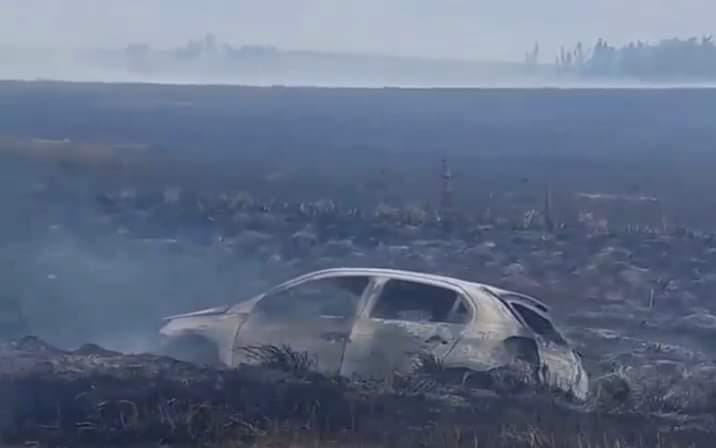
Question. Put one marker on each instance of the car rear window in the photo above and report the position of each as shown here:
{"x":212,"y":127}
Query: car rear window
{"x":538,"y":324}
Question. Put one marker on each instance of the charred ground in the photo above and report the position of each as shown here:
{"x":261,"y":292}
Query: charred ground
{"x":95,"y":397}
{"x":169,"y":199}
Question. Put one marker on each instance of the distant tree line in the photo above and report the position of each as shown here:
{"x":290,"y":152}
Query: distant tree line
{"x":691,"y":59}
{"x":206,"y":48}
{"x":669,"y":59}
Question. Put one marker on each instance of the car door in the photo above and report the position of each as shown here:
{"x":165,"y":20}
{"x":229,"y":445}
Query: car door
{"x":404,"y":320}
{"x":314,"y":318}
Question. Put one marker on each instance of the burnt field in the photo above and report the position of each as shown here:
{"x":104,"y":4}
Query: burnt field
{"x":386,"y":144}
{"x":127,"y":203}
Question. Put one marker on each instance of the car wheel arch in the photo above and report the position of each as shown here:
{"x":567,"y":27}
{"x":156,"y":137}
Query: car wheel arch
{"x":194,"y":348}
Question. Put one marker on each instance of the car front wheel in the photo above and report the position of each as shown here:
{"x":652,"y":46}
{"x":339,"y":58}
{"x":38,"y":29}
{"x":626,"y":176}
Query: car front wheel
{"x":193,"y":349}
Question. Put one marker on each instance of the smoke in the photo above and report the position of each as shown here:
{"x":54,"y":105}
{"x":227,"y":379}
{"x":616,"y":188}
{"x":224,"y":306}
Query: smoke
{"x":77,"y":281}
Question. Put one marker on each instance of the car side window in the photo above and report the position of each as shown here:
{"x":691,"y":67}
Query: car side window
{"x":460,"y":313}
{"x":335,"y":297}
{"x":419,"y":302}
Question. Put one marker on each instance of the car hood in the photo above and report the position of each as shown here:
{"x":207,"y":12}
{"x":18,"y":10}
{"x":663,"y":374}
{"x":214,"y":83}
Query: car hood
{"x":205,"y":312}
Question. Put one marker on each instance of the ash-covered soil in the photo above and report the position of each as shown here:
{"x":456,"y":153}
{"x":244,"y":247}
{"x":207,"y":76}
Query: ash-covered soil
{"x":635,"y":300}
{"x":138,"y":202}
{"x":95,"y":397}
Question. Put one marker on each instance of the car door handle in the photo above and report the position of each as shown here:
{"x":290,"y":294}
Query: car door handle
{"x":334,"y":336}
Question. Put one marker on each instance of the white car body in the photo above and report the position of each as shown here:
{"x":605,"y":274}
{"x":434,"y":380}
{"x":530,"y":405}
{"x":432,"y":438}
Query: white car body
{"x":382,"y":320}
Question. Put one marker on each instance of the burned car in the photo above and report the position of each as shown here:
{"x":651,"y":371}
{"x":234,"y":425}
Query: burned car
{"x":370,"y":322}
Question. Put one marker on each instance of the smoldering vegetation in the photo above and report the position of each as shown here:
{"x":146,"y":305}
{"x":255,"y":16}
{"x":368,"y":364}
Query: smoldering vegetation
{"x":95,"y":250}
{"x":107,"y":272}
{"x":95,"y":397}
{"x":79,"y":281}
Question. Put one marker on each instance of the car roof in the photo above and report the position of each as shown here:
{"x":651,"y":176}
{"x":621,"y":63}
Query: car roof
{"x":393,"y":273}
{"x":531,"y":302}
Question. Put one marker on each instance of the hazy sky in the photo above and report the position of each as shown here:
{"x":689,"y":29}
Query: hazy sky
{"x":432,"y":28}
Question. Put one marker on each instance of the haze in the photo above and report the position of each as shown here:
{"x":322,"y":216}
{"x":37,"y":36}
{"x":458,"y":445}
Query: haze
{"x":465,"y":29}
